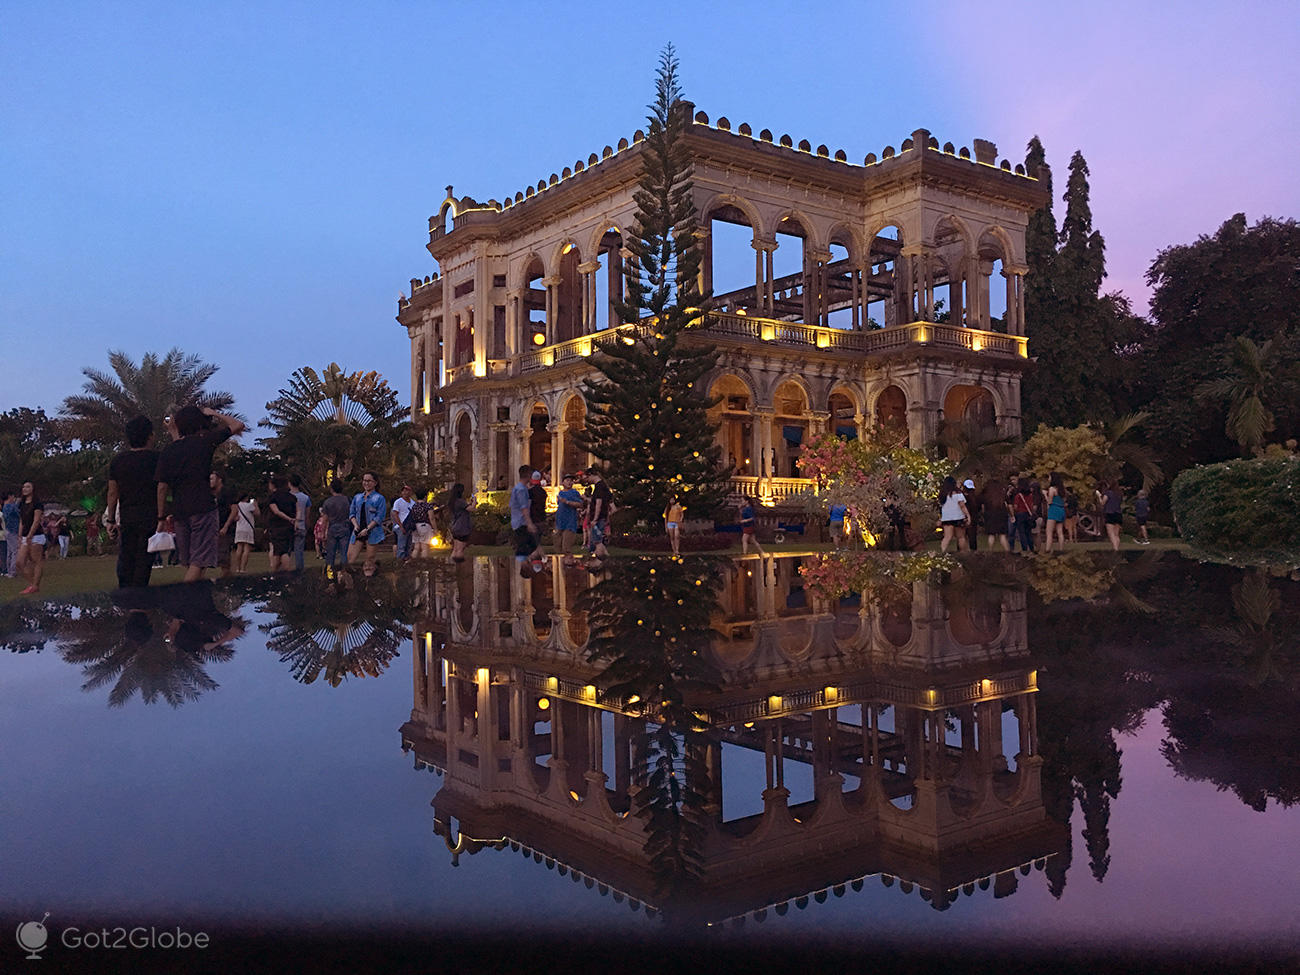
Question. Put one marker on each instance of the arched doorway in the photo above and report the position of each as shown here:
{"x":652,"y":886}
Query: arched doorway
{"x":891,"y":413}
{"x":575,"y":419}
{"x":887,"y":298}
{"x":972,"y":407}
{"x":843,"y":419}
{"x":735,"y":423}
{"x":539,"y":439}
{"x":791,"y":422}
{"x":569,"y":306}
{"x":465,"y":451}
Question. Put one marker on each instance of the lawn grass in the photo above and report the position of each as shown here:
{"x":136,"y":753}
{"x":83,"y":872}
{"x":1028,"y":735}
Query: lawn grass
{"x":97,"y":573}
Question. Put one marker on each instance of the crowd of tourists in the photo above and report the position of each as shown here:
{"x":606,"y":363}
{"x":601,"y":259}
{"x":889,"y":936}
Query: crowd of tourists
{"x":1021,"y":512}
{"x":172,"y":499}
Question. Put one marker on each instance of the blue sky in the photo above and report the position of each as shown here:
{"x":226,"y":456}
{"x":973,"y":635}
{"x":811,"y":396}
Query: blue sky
{"x":252,"y":181}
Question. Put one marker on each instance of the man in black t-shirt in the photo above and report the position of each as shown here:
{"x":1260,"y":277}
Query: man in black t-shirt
{"x":132,"y":494}
{"x":184,"y":468}
{"x":602,"y":500}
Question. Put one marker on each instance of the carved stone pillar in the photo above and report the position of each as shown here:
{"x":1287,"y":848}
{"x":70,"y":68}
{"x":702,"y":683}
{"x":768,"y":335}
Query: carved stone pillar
{"x":588,"y":272}
{"x":552,"y":284}
{"x":558,"y":430}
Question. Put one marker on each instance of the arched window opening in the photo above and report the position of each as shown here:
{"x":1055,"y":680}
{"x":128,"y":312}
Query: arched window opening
{"x":534,"y":304}
{"x":609,"y":278}
{"x":950,"y":275}
{"x":885,"y":291}
{"x":730,"y":260}
{"x":992,"y":284}
{"x":792,"y":301}
{"x":840,"y":280}
{"x":569,"y":304}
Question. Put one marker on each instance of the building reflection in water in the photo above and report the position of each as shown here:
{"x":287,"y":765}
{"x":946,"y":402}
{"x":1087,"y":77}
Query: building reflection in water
{"x":895,"y":701}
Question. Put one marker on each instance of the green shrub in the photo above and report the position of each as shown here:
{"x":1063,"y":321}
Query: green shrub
{"x":1241,"y":510}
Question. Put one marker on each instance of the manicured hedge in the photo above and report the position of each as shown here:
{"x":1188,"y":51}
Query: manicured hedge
{"x":1241,"y":510}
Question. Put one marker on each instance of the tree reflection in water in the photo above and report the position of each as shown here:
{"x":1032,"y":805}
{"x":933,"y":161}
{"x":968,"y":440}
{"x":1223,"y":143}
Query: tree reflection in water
{"x":341,"y":624}
{"x":155,"y":643}
{"x":650,"y":623}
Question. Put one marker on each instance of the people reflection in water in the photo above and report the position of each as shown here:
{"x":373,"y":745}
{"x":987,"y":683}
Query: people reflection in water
{"x":166,"y":638}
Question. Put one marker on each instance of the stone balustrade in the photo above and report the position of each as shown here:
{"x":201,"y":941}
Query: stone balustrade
{"x":798,"y":335}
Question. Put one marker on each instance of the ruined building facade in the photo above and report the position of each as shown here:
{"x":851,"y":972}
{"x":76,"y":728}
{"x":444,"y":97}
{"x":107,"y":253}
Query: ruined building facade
{"x":846,"y":295}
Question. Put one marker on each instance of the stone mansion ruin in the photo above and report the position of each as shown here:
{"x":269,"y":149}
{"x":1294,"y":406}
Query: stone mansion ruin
{"x":872,"y":300}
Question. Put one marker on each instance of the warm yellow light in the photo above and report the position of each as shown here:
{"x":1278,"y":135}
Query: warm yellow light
{"x":774,"y":702}
{"x":589,"y":692}
{"x":986,"y":685}
{"x":584,"y":348}
{"x":922,"y":335}
{"x":548,"y":358}
{"x":539,"y":338}
{"x":1023,"y":346}
{"x":628,"y":340}
{"x":574,"y":796}
{"x":740,"y":311}
{"x":767,"y":333}
{"x":480,"y":369}
{"x":977,"y":344}
{"x":543,"y":703}
{"x":831,"y":694}
{"x":635,"y":698}
{"x":823,"y":340}
{"x":428,"y":642}
{"x":483,"y":675}
{"x":435,"y":541}
{"x":552,"y":683}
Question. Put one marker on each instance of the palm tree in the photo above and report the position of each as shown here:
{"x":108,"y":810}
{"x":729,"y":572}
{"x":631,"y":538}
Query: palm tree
{"x":153,"y":388}
{"x":337,"y":421}
{"x":1124,"y":452}
{"x":1252,"y":372}
{"x":977,"y":449}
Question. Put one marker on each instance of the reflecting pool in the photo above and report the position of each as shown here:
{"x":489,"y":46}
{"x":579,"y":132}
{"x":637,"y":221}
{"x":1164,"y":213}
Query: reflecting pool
{"x":1078,"y":751}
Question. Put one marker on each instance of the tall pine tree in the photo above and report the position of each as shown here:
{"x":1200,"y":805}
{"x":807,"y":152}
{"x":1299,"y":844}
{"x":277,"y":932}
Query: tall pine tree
{"x":648,"y":408}
{"x":1076,"y":334}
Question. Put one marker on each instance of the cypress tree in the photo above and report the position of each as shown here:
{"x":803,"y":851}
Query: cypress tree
{"x":648,"y":406}
{"x":1075,"y":333}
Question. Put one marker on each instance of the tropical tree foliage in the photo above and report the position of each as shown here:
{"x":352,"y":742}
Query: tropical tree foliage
{"x":339,"y":422}
{"x":36,"y":448}
{"x":1087,"y":454}
{"x":648,"y":408}
{"x":154,"y":388}
{"x":1238,"y":283}
{"x":1252,"y":375}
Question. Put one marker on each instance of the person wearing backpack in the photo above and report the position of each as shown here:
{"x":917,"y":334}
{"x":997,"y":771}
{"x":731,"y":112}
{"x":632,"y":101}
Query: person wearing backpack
{"x":1022,"y":507}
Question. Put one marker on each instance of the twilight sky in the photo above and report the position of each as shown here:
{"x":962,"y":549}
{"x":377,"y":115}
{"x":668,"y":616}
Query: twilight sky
{"x":252,"y":182}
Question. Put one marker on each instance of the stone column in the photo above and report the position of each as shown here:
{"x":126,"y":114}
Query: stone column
{"x":417,"y":367}
{"x":820,"y":421}
{"x":705,"y":238}
{"x":558,"y":430}
{"x":588,"y":272}
{"x":552,"y":284}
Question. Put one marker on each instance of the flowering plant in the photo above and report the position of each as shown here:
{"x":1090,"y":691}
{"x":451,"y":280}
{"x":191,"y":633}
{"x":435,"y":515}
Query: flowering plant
{"x":882,"y":483}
